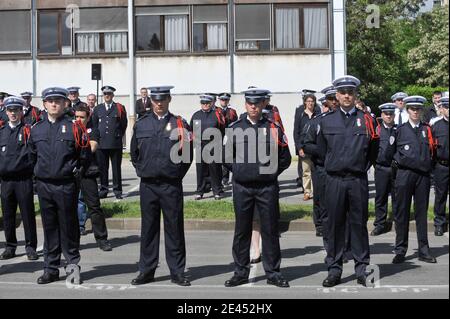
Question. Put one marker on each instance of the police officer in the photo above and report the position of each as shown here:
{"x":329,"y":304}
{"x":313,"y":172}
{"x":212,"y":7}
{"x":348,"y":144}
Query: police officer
{"x":401,"y":115}
{"x":58,"y":150}
{"x":348,"y":138}
{"x":202,"y":120}
{"x":230,"y":116}
{"x":16,"y":172}
{"x":88,"y":183}
{"x":413,"y":159}
{"x":161,"y":152}
{"x":384,"y":179}
{"x":255,"y":187}
{"x":110,"y":119}
{"x":434,"y":110}
{"x":31,"y":114}
{"x":3,"y":116}
{"x":440,"y":171}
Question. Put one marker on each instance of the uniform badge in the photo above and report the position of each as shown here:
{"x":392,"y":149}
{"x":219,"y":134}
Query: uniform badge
{"x":424,"y":135}
{"x":358,"y":122}
{"x":406,"y":147}
{"x":3,"y":148}
{"x":20,"y":138}
{"x":169,"y":127}
{"x":64,"y":129}
{"x":99,"y":120}
{"x":392,"y":140}
{"x":89,"y":130}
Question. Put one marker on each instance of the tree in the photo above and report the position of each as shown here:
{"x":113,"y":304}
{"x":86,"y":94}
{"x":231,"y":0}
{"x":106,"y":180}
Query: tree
{"x":430,"y":59}
{"x":378,"y":56}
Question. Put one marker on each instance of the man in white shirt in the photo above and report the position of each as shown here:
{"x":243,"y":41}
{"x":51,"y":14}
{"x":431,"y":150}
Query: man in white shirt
{"x":401,"y":114}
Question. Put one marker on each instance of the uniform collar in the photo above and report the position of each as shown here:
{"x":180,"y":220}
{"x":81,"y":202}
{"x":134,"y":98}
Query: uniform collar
{"x":253,"y":123}
{"x":161,"y":117}
{"x":351,"y":112}
{"x":414,"y":125}
{"x":13,"y":126}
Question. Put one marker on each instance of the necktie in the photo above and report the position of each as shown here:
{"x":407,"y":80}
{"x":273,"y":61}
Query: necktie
{"x":400,"y":118}
{"x":347,"y":115}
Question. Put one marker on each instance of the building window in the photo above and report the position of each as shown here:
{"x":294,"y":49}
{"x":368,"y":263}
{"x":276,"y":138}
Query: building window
{"x":55,"y":33}
{"x":102,"y":31}
{"x":98,"y":30}
{"x":162,"y":29}
{"x":301,"y":27}
{"x":253,"y":27}
{"x":17,"y":41}
{"x":209,"y":27}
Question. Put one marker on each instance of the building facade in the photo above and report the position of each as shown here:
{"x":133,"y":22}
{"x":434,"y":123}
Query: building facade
{"x":197,"y":45}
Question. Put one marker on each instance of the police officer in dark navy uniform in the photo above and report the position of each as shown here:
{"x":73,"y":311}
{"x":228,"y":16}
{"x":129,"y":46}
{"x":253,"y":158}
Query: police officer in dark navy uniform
{"x":414,"y":147}
{"x":31,"y":114}
{"x":3,"y":116}
{"x":440,"y":171}
{"x":310,"y":147}
{"x":110,"y":119}
{"x":161,"y":152}
{"x":384,"y":178}
{"x":58,"y":150}
{"x":255,"y":187}
{"x":16,"y":172}
{"x":349,"y":140}
{"x":230,"y":116}
{"x":202,"y":120}
{"x":88,"y":183}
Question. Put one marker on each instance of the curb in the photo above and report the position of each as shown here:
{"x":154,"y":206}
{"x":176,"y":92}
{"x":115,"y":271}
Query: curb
{"x":134,"y":224}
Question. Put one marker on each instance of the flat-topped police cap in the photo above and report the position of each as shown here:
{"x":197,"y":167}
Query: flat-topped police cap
{"x":54,"y":92}
{"x":399,"y":96}
{"x":14,"y":102}
{"x":387,"y":107}
{"x":225,"y":96}
{"x":206,"y":99}
{"x":444,"y":102}
{"x":4,"y":95}
{"x":346,"y":82}
{"x":26,"y":95}
{"x":308,"y":92}
{"x":214,"y":95}
{"x":329,"y":91}
{"x":107,"y":89}
{"x":160,"y":92}
{"x":322,"y":99}
{"x":414,"y":101}
{"x":255,"y":95}
{"x":74,"y":89}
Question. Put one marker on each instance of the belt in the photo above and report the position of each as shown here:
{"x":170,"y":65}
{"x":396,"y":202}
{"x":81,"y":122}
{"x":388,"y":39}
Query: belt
{"x":348,"y":174}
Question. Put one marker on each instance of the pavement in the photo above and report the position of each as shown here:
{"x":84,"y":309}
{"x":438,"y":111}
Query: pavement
{"x":209,"y":264}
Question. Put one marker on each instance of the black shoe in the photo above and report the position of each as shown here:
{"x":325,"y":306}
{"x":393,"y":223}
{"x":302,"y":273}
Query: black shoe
{"x":428,"y":259}
{"x":362,"y":280}
{"x":119,"y":196}
{"x":398,"y":259}
{"x":32,"y":255}
{"x":83,"y":232}
{"x":278,"y":281}
{"x":439,"y":231}
{"x":180,"y":280}
{"x":378,"y":231}
{"x":198,"y":197}
{"x":103,"y":194}
{"x":8,"y":254}
{"x":319,"y":233}
{"x":236,"y":281}
{"x":143,"y":279}
{"x":47,"y":278}
{"x":256,"y":260}
{"x":331,"y":281}
{"x":218,"y":197}
{"x":104,"y":245}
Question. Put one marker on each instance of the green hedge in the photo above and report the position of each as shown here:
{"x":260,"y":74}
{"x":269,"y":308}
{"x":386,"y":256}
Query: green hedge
{"x":425,"y":91}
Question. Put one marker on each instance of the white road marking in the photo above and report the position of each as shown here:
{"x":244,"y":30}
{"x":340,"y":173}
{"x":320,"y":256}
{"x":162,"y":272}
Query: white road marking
{"x":134,"y":189}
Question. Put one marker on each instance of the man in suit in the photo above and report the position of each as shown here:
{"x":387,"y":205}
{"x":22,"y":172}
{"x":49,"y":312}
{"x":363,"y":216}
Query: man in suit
{"x":143,"y":105}
{"x":110,"y":119}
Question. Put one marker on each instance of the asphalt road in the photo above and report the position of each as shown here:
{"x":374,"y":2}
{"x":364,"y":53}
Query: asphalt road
{"x":108,"y":274}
